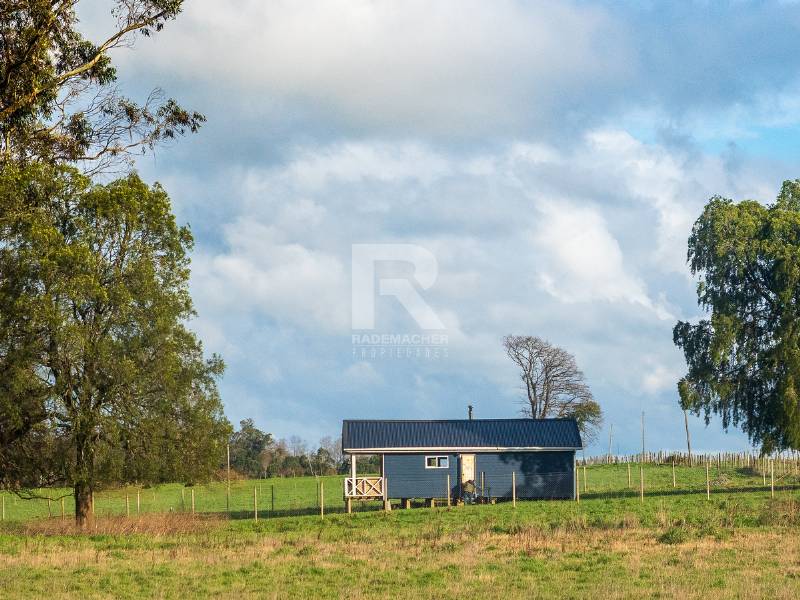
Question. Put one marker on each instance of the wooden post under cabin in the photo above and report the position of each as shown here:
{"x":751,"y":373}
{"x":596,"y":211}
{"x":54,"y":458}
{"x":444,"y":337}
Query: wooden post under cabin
{"x":387,"y":505}
{"x":406,"y":503}
{"x":348,"y":502}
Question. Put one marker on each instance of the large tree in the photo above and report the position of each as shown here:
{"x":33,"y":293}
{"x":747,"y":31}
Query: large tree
{"x":248,"y":447}
{"x":554,"y":386}
{"x":744,"y":359}
{"x":94,"y":297}
{"x":58,"y":98}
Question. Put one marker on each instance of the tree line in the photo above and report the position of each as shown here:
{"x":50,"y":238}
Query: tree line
{"x":256,"y":454}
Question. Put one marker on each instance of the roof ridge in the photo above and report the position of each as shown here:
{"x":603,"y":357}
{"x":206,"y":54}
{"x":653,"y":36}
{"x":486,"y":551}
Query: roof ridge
{"x":520,"y":419}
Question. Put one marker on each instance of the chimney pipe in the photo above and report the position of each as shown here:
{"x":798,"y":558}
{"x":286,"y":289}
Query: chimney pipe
{"x":469,"y":411}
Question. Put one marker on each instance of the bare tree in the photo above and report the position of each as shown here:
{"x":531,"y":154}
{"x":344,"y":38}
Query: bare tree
{"x":297,"y":446}
{"x":554,"y":385}
{"x":334,"y":448}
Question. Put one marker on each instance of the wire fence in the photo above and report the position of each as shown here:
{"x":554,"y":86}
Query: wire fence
{"x":643,"y":475}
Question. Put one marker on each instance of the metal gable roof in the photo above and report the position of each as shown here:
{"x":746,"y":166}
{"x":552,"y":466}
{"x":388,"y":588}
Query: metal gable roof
{"x":363,"y":435}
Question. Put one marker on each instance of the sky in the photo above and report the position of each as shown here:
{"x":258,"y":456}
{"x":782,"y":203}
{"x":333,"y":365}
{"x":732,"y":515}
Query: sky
{"x":529,"y":168}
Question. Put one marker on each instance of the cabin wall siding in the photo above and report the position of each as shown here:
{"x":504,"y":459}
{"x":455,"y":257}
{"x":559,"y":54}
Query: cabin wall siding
{"x":548,"y":474}
{"x":542,"y":474}
{"x":408,"y":477}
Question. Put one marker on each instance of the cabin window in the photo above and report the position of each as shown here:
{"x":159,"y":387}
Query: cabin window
{"x":437,"y":462}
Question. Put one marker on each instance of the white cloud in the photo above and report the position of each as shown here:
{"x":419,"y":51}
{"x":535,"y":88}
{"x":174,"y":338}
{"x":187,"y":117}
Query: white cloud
{"x":261,"y":273}
{"x":455,"y":66}
{"x":362,"y":374}
{"x":581,"y":261}
{"x":528,"y":238}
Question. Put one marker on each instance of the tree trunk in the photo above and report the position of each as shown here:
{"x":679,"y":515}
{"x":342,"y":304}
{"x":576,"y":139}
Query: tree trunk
{"x":84,"y":481}
{"x":688,"y":440}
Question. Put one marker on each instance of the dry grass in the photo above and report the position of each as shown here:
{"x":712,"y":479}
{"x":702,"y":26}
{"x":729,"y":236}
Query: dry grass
{"x":564,"y":561}
{"x":151,"y":524}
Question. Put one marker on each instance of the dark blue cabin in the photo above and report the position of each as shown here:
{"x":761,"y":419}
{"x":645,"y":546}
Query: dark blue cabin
{"x":476,"y":459}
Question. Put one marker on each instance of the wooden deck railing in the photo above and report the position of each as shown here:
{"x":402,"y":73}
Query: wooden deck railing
{"x":363,"y":487}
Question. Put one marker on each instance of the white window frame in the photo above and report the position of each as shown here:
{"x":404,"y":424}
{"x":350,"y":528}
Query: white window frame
{"x":438,"y":458}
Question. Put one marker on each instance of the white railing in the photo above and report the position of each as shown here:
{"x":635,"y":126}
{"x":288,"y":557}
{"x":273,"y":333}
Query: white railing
{"x":363,"y":487}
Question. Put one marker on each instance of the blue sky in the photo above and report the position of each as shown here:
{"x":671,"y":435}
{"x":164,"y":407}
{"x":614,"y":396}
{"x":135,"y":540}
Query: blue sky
{"x":552,"y":156}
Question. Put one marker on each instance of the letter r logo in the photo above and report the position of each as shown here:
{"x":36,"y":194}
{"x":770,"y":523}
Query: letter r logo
{"x":364,"y":258}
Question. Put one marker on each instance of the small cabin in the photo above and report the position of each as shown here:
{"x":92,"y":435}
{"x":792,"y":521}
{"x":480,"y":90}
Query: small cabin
{"x":472,"y":460}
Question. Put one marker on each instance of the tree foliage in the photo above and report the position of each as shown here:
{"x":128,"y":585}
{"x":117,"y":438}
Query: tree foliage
{"x":58,"y":100}
{"x":248,"y":447}
{"x":744,"y":360}
{"x":94,"y":299}
{"x":554,"y":385}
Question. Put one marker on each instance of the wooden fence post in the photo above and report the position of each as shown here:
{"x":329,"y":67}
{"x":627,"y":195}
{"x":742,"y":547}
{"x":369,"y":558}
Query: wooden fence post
{"x":514,"y":488}
{"x":255,"y":503}
{"x":49,"y":510}
{"x":228,"y":482}
{"x":673,"y":472}
{"x":448,"y":489}
{"x":321,"y":499}
{"x":577,"y":484}
{"x":772,"y":478}
{"x":641,"y":482}
{"x":585,"y":483}
{"x":138,"y":502}
{"x":127,"y":505}
{"x":708,"y":483}
{"x":63,"y":514}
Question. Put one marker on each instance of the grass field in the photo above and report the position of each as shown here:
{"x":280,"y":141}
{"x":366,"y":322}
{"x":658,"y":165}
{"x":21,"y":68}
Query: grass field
{"x":741,"y":543}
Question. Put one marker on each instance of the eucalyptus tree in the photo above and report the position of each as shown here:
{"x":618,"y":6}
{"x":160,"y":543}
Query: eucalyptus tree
{"x":58,"y":95}
{"x":744,"y":358}
{"x":94,"y":297}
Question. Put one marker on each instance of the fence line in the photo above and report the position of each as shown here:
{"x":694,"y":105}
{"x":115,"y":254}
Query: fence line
{"x":660,"y":474}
